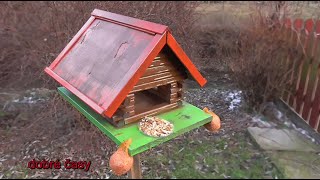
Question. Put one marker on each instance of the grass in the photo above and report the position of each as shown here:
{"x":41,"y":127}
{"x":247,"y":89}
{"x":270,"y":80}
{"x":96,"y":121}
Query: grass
{"x":243,"y":9}
{"x":21,"y":172}
{"x":2,"y":114}
{"x":215,"y":158}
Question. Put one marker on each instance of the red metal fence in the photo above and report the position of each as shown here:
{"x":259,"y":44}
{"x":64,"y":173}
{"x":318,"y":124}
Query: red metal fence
{"x":304,"y":35}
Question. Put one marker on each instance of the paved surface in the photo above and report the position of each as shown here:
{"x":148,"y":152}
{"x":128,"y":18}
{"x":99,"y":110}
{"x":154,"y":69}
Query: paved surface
{"x":282,"y":139}
{"x":295,"y":155}
{"x":297,"y":165}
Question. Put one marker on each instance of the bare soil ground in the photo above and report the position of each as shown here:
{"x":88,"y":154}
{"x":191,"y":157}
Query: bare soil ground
{"x":27,"y":135}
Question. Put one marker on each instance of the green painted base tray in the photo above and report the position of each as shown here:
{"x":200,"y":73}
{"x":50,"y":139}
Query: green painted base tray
{"x":184,"y":119}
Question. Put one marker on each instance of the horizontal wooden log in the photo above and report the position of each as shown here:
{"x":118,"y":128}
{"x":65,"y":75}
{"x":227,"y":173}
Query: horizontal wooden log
{"x":176,"y":99}
{"x":173,"y":95}
{"x":180,"y":92}
{"x":174,"y":85}
{"x":117,"y":114}
{"x":157,"y":76}
{"x":157,"y":83}
{"x":159,"y":62}
{"x":163,"y":64}
{"x":130,"y":95}
{"x":175,"y":90}
{"x":161,"y":55}
{"x":128,"y":114}
{"x":151,"y":112}
{"x":129,"y":100}
{"x":117,"y":118}
{"x":158,"y":69}
{"x":127,"y":108}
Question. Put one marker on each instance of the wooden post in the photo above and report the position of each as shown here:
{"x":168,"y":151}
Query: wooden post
{"x":135,"y":172}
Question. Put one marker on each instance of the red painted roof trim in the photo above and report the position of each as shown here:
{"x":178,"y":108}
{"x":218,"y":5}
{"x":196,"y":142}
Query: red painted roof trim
{"x":152,"y":52}
{"x":146,"y":25}
{"x":162,"y":36}
{"x":75,"y":91}
{"x":146,"y":58}
{"x":175,"y":47}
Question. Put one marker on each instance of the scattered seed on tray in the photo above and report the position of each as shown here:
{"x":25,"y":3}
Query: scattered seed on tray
{"x":156,"y":127}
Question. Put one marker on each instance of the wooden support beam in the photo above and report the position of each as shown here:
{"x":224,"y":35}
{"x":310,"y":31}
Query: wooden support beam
{"x":135,"y":171}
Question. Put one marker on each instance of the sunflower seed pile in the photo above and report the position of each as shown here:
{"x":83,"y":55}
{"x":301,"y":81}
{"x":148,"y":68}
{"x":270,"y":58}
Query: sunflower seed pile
{"x":156,"y":127}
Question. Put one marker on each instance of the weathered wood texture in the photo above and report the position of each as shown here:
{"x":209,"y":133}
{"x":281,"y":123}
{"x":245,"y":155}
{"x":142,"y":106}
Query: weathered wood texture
{"x":158,"y":90}
{"x":185,"y":118}
{"x":158,"y":109}
{"x":97,"y":74}
{"x":305,"y":99}
{"x":135,"y":171}
{"x":110,"y":53}
{"x":164,"y":70}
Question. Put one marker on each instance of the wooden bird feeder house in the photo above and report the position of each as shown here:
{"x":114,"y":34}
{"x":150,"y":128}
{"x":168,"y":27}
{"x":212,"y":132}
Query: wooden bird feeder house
{"x":124,"y":68}
{"x":117,"y":70}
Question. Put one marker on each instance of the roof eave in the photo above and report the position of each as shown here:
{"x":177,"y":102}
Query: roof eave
{"x":168,"y":39}
{"x":147,"y":56}
{"x":182,"y":56}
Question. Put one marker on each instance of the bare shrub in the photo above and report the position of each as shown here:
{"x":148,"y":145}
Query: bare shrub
{"x":221,"y":38}
{"x":261,"y":69}
{"x":218,"y":33}
{"x":33,"y":33}
{"x":252,"y":46}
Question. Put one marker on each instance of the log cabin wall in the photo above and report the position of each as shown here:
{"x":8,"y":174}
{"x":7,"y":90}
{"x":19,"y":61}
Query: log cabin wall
{"x":164,"y":79}
{"x":161,"y":72}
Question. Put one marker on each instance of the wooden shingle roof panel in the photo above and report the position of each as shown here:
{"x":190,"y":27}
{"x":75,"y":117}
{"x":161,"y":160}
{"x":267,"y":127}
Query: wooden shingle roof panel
{"x":109,"y":54}
{"x":103,"y":60}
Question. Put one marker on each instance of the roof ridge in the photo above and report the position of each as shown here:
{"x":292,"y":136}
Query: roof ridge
{"x":131,"y":21}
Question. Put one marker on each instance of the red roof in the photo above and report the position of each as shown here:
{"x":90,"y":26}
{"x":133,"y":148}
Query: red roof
{"x":109,"y":54}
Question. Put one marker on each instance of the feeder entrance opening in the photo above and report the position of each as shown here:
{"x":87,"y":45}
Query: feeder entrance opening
{"x":151,"y":99}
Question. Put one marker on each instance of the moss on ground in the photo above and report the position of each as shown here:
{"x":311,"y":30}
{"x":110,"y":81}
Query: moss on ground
{"x":3,"y":114}
{"x":212,"y":158}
